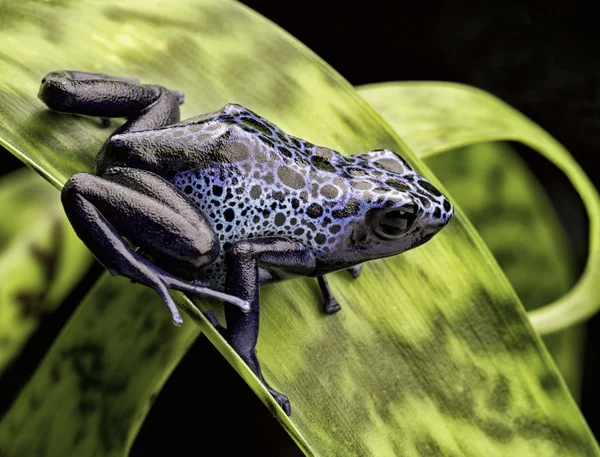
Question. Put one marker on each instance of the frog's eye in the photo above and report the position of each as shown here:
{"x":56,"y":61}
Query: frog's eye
{"x":395,"y":222}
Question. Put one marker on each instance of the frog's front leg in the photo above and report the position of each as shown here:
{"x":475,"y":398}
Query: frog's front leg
{"x":243,"y":260}
{"x":330,"y":304}
{"x":152,"y":214}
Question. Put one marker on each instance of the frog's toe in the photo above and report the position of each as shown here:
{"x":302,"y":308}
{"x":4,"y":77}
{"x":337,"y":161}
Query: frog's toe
{"x":355,"y":270}
{"x":201,"y":288}
{"x":332,"y":306}
{"x":164,"y":294}
{"x":178,"y":96}
{"x":282,"y":401}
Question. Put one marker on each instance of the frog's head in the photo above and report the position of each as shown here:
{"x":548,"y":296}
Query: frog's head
{"x":407,"y":211}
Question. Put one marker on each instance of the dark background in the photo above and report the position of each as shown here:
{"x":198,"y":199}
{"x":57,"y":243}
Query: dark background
{"x":543,"y":60}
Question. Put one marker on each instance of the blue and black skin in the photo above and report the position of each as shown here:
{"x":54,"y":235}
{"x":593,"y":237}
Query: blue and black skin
{"x":219,"y":204}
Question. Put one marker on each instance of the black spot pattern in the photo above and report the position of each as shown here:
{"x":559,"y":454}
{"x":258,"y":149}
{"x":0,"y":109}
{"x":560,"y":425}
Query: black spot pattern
{"x":315,"y":210}
{"x":253,"y":180}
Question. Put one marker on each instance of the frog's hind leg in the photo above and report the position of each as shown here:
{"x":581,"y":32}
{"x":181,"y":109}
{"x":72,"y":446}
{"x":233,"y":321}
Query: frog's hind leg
{"x":96,"y":94}
{"x":153,"y":215}
{"x":243,"y":260}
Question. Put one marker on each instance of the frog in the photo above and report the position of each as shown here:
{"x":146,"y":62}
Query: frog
{"x":221,"y":204}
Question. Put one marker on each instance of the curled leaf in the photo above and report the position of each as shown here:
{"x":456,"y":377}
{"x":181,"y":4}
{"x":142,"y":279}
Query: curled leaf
{"x":435,"y":117}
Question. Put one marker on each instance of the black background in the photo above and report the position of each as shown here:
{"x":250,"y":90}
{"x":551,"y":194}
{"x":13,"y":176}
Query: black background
{"x":543,"y":60}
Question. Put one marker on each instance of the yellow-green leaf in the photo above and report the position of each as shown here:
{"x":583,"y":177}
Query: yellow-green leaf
{"x":431,"y":354}
{"x":435,"y":117}
{"x":512,"y":213}
{"x":92,"y":391}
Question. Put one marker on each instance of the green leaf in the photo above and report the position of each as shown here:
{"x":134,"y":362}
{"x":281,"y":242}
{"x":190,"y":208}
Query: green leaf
{"x":431,"y":354}
{"x":512,"y":213}
{"x":41,"y":258}
{"x":434,"y":117}
{"x":93,"y":389}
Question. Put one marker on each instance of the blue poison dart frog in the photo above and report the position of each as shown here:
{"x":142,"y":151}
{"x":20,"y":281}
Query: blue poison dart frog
{"x":221,"y":203}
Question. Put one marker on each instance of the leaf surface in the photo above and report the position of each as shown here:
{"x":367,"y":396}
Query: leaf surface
{"x":41,"y":258}
{"x":434,"y":117}
{"x":511,"y":211}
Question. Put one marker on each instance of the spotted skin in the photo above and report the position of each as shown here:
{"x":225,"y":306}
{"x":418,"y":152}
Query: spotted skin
{"x":256,"y":181}
{"x":218,"y":204}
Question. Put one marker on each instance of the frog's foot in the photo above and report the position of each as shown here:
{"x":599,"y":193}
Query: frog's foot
{"x":331,"y":305}
{"x":281,"y":400}
{"x":178,"y":96}
{"x":212,"y":318}
{"x":355,"y":270}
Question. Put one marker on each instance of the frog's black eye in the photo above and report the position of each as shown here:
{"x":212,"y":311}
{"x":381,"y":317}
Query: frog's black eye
{"x":395,"y":222}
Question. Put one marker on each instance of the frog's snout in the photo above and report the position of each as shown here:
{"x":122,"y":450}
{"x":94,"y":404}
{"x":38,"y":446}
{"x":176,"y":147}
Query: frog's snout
{"x":449,"y":212}
{"x":441,"y":215}
{"x":434,"y":217}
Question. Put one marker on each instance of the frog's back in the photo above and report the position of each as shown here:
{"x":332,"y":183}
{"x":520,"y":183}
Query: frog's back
{"x":263,"y":140}
{"x":255,"y":180}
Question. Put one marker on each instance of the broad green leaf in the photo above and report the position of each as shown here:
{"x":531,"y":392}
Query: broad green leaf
{"x":435,"y":117}
{"x":511,"y":211}
{"x":432,"y":352}
{"x":84,"y":399}
{"x":41,"y":258}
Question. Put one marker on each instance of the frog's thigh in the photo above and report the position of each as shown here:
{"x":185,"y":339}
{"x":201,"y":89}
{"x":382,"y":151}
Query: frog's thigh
{"x":145,"y":209}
